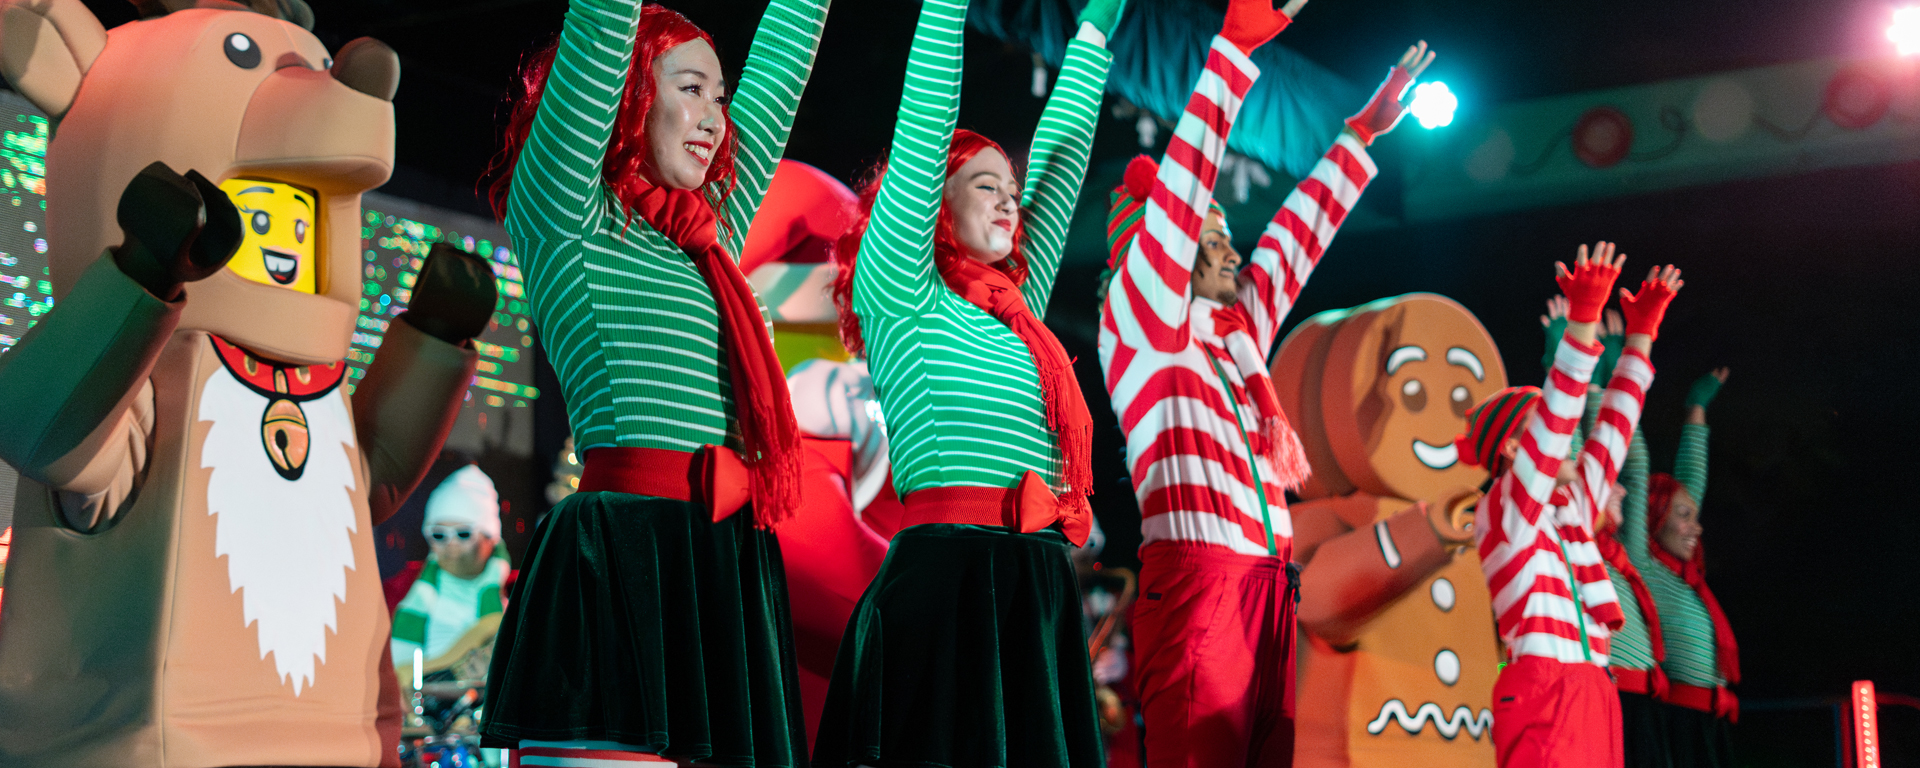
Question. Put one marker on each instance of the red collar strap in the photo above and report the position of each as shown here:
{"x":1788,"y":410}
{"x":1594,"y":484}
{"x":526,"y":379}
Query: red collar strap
{"x":712,"y":477}
{"x":298,"y":383}
{"x":1029,"y":507}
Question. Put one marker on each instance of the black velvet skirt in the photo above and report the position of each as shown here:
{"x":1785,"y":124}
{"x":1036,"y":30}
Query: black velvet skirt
{"x":638,"y":620}
{"x":1697,"y":739}
{"x":965,"y":652}
{"x":1643,"y":731}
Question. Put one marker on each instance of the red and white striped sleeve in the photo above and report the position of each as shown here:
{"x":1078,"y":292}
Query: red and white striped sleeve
{"x":1605,"y":451}
{"x":1292,"y":243}
{"x":1154,"y":284}
{"x":1548,"y":433}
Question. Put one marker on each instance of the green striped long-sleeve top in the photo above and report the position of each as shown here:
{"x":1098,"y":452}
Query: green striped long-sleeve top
{"x":1631,"y":646}
{"x":627,"y":321}
{"x":1684,"y":622}
{"x":960,"y":390}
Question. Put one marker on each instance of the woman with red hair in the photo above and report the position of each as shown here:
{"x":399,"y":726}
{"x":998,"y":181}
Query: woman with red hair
{"x":966,"y":650}
{"x":650,"y":624}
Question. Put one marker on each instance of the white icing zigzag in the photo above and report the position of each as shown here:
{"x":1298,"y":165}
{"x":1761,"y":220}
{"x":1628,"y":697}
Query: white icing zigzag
{"x":1462,"y":719}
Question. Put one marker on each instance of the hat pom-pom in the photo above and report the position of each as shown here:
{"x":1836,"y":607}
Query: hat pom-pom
{"x":1463,"y":447}
{"x":1139,"y":178}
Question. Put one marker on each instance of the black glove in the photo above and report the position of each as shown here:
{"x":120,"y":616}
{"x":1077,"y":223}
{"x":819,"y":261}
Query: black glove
{"x":179,"y":229}
{"x":454,"y":296}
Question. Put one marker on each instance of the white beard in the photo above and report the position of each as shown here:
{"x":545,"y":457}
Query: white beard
{"x":288,"y":543}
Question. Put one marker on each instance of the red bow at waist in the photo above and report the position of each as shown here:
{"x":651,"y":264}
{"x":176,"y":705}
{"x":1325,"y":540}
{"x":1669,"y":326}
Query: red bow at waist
{"x":713,"y":477}
{"x":1028,"y":507}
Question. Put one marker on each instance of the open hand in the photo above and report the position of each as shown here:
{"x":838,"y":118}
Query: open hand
{"x":1706,"y":388}
{"x":1251,"y":23}
{"x":1590,"y":281}
{"x":1645,"y":310}
{"x":1385,"y":109}
{"x":1556,"y":310}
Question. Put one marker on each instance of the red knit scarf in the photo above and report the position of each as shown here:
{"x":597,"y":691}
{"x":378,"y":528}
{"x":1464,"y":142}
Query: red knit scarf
{"x":1660,"y":490}
{"x":762,"y":403}
{"x":1274,"y":438}
{"x":1616,"y":556}
{"x":995,"y":293}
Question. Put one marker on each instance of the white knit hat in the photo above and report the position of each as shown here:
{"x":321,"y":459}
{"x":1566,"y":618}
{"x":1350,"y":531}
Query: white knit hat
{"x":466,"y":497}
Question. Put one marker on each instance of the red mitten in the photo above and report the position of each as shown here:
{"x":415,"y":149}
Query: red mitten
{"x":1251,"y":23}
{"x":1586,"y":288}
{"x":1385,"y":110}
{"x":1645,"y":310}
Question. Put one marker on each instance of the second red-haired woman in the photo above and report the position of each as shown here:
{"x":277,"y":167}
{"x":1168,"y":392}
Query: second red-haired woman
{"x":966,"y":650}
{"x":650,"y":622}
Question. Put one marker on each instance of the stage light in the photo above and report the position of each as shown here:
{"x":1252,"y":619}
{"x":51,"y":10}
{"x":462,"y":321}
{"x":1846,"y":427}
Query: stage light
{"x":1433,"y":104}
{"x":1905,"y":30}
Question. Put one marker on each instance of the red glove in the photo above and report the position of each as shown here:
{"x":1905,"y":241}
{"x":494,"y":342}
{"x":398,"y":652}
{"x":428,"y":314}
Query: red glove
{"x":1586,"y":288}
{"x":1385,"y":110}
{"x":1251,"y":23}
{"x":1645,"y":310}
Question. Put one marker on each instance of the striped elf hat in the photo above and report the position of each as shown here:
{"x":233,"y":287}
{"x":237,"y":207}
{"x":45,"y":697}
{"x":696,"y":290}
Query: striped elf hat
{"x":1127,"y":207}
{"x":1491,"y":422}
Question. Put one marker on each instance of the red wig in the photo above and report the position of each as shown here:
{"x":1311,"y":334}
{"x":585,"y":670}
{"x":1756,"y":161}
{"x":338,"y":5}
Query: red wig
{"x":659,"y":31}
{"x":946,"y":244}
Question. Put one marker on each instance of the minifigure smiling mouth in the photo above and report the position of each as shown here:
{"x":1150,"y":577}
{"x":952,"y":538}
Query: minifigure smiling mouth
{"x":283,"y":267}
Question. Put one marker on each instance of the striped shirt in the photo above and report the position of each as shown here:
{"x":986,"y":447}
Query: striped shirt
{"x":1685,"y":624}
{"x":627,"y":321}
{"x":1186,"y":443}
{"x":1632,"y":645}
{"x":1536,"y":539}
{"x":960,"y":391}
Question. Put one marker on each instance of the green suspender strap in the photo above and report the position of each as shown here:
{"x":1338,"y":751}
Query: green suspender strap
{"x":1259,"y":488}
{"x":1579,"y":608}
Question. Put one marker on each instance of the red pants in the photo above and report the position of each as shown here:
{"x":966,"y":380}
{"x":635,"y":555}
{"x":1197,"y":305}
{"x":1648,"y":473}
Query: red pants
{"x":1552,"y":715}
{"x":1213,"y":648}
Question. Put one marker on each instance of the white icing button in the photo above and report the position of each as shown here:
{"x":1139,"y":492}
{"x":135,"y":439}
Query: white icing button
{"x":1446,"y":666}
{"x":1443,"y":594}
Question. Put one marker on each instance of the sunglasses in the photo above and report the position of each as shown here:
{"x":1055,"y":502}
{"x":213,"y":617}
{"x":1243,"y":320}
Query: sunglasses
{"x":443,"y":534}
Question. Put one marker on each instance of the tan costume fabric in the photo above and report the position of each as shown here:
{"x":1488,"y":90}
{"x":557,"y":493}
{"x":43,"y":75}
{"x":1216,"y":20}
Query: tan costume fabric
{"x":178,"y":596}
{"x":1399,"y":654}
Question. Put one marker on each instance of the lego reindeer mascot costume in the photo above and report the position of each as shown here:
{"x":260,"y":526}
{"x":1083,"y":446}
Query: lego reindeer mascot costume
{"x":194,"y":580}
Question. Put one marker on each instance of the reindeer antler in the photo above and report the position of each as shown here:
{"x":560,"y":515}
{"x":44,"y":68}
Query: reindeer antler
{"x":295,"y":11}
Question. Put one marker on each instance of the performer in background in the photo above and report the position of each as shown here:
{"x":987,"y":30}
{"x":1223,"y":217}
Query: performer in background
{"x":452,"y":611}
{"x":1662,"y":534}
{"x":1184,"y":338}
{"x":1554,"y":703}
{"x":967,"y":649}
{"x":651,"y":619}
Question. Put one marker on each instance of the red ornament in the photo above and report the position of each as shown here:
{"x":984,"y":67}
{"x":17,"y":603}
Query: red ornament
{"x":1602,"y":137}
{"x":1856,"y":97}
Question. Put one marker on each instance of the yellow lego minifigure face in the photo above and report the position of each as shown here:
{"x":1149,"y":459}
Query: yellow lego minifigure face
{"x":280,"y":222}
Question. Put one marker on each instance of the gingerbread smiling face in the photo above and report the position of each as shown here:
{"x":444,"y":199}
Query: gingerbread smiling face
{"x":1382,"y":389}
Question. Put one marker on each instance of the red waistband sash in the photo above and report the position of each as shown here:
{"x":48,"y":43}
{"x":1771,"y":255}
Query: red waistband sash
{"x":1646,"y":682}
{"x":1029,"y":507}
{"x":713,"y":477}
{"x":1717,"y":701}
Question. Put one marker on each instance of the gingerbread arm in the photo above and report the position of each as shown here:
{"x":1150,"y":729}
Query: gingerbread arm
{"x":1354,"y":575}
{"x":76,"y":382}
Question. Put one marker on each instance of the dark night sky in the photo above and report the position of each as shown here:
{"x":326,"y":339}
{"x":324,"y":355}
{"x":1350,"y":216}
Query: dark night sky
{"x":1802,"y":284}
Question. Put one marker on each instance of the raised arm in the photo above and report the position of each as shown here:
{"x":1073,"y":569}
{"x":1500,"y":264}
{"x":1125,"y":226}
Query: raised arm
{"x":556,"y":193}
{"x":1690,"y":461}
{"x":1633,"y":509}
{"x":1153,"y":283}
{"x":763,"y":104}
{"x":1606,"y":447}
{"x":1303,"y":228}
{"x":1061,"y":145}
{"x":895,"y":273}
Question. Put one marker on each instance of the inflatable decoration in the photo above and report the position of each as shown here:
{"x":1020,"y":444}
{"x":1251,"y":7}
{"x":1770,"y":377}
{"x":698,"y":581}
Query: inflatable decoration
{"x":193,"y":579}
{"x":1400,"y":655}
